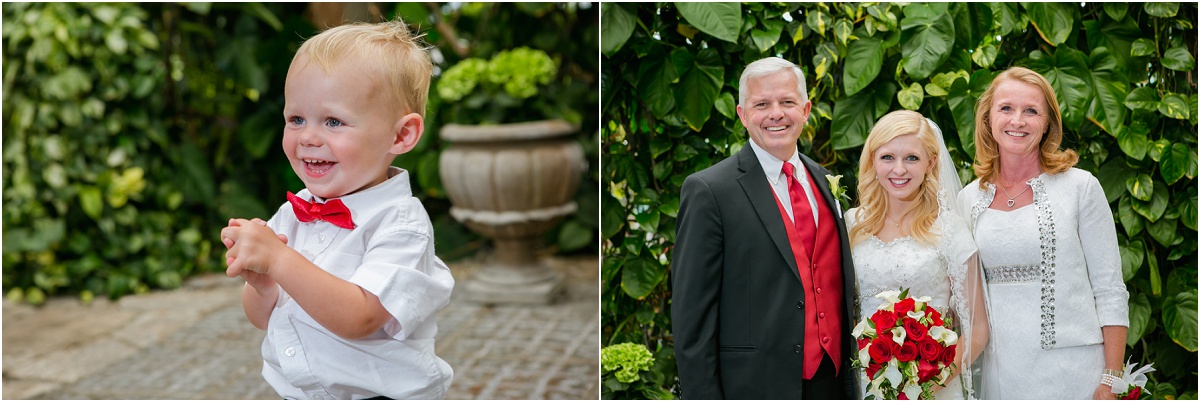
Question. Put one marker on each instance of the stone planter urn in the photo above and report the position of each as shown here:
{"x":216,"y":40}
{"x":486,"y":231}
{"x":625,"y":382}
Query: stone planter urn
{"x":512,"y":183}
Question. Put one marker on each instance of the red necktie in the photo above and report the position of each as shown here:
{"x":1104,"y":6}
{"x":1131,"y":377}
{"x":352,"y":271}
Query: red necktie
{"x":801,"y":210}
{"x":334,"y":211}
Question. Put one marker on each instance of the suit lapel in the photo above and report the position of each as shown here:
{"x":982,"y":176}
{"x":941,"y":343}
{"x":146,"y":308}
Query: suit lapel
{"x":762,"y":197}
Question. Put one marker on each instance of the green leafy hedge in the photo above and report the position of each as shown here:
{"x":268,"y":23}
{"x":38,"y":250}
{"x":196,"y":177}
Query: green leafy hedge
{"x":1124,"y":75}
{"x":133,"y":132}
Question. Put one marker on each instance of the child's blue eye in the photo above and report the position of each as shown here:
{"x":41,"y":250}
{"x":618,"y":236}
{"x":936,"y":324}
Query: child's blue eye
{"x":332,"y":122}
{"x":297,"y":120}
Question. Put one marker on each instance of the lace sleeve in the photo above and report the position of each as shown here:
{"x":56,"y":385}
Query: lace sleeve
{"x":967,"y":299}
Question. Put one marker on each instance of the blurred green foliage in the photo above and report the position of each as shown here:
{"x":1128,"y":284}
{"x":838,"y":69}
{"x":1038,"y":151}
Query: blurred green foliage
{"x":133,"y":132}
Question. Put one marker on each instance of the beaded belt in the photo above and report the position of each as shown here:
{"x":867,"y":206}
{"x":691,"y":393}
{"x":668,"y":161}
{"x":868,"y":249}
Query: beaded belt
{"x":1012,"y":273}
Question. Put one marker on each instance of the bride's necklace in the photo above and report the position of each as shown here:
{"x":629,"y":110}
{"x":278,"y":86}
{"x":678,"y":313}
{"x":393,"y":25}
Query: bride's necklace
{"x":893,"y":221}
{"x":1011,"y":198}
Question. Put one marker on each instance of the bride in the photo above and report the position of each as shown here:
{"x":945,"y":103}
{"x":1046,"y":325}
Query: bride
{"x":904,"y":234}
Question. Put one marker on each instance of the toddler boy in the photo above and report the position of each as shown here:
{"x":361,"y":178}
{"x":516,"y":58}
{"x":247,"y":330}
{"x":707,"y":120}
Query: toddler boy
{"x":349,"y":295}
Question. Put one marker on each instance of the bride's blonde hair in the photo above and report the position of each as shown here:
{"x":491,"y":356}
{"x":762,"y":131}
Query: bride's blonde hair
{"x":873,"y":199}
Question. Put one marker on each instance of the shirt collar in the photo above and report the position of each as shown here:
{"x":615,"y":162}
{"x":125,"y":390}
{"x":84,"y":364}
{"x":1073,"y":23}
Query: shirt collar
{"x":366,"y":202}
{"x":772,"y":166}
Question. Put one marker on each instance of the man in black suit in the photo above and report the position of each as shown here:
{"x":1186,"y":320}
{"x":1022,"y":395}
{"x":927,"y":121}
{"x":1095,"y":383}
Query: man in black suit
{"x":762,"y":278}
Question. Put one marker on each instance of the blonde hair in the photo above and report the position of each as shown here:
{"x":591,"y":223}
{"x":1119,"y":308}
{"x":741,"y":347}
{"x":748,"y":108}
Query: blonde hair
{"x":987,"y":154}
{"x":873,"y":199}
{"x":394,"y":57}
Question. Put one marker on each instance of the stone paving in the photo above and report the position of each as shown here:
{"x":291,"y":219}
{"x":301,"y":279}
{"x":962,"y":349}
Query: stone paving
{"x":195,"y":343}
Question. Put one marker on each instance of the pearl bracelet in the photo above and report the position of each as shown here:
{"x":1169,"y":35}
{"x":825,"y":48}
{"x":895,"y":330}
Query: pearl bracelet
{"x":1109,"y":376}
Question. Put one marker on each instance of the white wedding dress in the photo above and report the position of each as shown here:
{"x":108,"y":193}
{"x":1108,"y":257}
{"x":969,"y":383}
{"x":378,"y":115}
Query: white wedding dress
{"x":940,"y":272}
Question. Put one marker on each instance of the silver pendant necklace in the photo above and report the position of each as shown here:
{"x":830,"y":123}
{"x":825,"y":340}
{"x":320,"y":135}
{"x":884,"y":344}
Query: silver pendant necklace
{"x":1013,"y":199}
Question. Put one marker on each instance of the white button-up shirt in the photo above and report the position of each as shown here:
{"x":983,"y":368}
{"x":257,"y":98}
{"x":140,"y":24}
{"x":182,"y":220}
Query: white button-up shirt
{"x":390,"y":254}
{"x":773,"y":168}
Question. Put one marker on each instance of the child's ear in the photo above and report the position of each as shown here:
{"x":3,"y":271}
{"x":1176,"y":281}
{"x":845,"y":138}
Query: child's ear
{"x":408,"y":132}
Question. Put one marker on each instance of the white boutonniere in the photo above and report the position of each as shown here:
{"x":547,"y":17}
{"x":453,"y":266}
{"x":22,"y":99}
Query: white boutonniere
{"x":838,"y":191}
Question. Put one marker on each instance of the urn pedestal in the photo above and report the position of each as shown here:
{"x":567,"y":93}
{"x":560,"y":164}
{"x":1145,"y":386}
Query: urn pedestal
{"x":512,"y":183}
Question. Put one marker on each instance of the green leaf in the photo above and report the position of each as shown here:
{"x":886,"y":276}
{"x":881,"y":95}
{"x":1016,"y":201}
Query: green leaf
{"x":258,"y":133}
{"x":842,"y":30}
{"x":1139,"y":316}
{"x":1174,"y":163}
{"x":640,"y":276}
{"x":263,"y":14}
{"x":726,"y":105}
{"x":574,"y":236}
{"x":617,"y":24}
{"x":1112,"y":176}
{"x":1068,"y":73}
{"x":1187,"y":211}
{"x":1142,"y":98}
{"x":985,"y":55}
{"x":1133,"y":253}
{"x":1153,"y":209}
{"x":1110,"y":90}
{"x":819,"y":21}
{"x":648,"y":221}
{"x":698,"y":88}
{"x":910,"y":98}
{"x":1158,"y":148}
{"x":1116,"y":11}
{"x":1053,"y":21}
{"x":1155,"y":278}
{"x":962,"y":108}
{"x":654,"y":84}
{"x":1174,"y":106}
{"x":1179,"y":318}
{"x":764,"y":39}
{"x":1142,"y":46}
{"x":721,"y":20}
{"x":929,"y":39}
{"x":613,"y":218}
{"x":1164,"y":231}
{"x":92,"y":201}
{"x":1140,"y":186}
{"x":854,"y":116}
{"x":1133,"y":142}
{"x":1162,"y":10}
{"x":864,"y":59}
{"x":1130,"y":220}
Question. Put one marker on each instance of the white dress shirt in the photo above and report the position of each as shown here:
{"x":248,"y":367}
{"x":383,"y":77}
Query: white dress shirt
{"x":773,"y":168}
{"x":390,"y":254}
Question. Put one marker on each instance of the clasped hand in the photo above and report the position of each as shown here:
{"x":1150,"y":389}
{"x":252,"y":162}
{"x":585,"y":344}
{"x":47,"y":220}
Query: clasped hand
{"x":252,"y":247}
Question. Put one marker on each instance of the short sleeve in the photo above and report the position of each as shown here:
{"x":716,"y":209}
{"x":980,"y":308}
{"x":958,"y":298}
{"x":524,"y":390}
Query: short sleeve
{"x":400,"y":268}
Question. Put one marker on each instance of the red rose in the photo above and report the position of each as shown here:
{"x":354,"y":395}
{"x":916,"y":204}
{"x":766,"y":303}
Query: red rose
{"x":907,"y":352}
{"x":948,"y":354}
{"x":930,"y":349}
{"x":884,"y":320}
{"x":1133,"y":394}
{"x":915,"y":330}
{"x":926,"y":370}
{"x":904,"y":306}
{"x":934,"y":315}
{"x":873,"y":368}
{"x":902,"y":397}
{"x":882,"y":349}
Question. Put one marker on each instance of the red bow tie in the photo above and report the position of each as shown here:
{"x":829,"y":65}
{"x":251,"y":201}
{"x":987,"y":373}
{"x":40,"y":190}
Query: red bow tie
{"x":334,"y":211}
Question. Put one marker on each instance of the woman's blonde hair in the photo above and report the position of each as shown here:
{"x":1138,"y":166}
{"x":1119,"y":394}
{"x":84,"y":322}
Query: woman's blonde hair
{"x":396,"y":59}
{"x":987,"y":153}
{"x":873,"y":199}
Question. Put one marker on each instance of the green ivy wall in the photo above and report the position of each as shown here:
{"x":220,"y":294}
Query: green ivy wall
{"x":1124,"y":74}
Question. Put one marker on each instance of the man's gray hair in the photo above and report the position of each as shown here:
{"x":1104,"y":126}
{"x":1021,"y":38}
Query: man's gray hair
{"x":767,"y":66}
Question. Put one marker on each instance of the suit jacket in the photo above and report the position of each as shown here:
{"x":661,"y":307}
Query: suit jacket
{"x":737,"y":316}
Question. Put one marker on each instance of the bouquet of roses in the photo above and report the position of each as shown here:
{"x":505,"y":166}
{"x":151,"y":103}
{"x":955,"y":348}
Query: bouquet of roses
{"x":905,"y":347}
{"x":1132,"y":383}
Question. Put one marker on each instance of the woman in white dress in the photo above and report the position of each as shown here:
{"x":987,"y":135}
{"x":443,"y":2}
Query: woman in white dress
{"x":1048,"y":247}
{"x":905,"y":234}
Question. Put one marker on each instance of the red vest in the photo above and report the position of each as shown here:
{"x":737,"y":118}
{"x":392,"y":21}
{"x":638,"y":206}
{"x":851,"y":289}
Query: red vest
{"x":821,"y":276}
